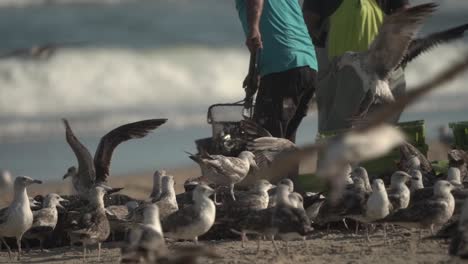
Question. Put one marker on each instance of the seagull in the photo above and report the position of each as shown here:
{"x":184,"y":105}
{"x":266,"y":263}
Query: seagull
{"x":376,"y":207}
{"x":335,"y":208}
{"x":399,"y":193}
{"x":42,"y":51}
{"x":454,"y":177}
{"x":264,"y":146}
{"x":459,"y":241}
{"x":459,"y":158}
{"x":426,"y":214}
{"x":91,"y":173}
{"x":255,"y":199}
{"x":156,"y":192}
{"x":411,"y":158}
{"x":194,"y":220}
{"x":285,"y":181}
{"x":316,"y":200}
{"x":416,"y":180}
{"x":17,"y":218}
{"x":289,"y":221}
{"x":93,"y":227}
{"x":5,"y":180}
{"x":146,"y":242}
{"x":364,"y":141}
{"x":167,"y":202}
{"x":225,"y":171}
{"x":385,"y":54}
{"x":45,"y":219}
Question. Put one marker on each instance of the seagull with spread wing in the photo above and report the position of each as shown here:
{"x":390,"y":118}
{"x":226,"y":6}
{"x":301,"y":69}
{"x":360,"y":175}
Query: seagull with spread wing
{"x":91,"y":172}
{"x":369,"y":139}
{"x":385,"y":54}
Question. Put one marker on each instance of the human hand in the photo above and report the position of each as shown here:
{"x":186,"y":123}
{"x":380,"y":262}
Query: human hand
{"x":254,"y":41}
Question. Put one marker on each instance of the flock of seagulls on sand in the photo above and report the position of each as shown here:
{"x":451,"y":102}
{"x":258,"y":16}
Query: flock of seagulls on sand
{"x":266,"y":211}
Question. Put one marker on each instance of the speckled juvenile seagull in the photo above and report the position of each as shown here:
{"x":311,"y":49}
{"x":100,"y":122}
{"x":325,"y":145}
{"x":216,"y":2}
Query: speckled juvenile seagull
{"x":192,"y":221}
{"x":426,"y":214}
{"x":225,"y":171}
{"x":93,"y":227}
{"x":91,"y":173}
{"x":45,"y":219}
{"x":17,"y":218}
{"x":385,"y":54}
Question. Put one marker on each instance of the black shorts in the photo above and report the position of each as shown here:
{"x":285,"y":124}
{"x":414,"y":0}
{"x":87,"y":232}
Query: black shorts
{"x":282,"y":100}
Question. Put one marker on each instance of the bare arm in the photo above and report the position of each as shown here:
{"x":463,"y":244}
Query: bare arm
{"x":311,"y":20}
{"x":254,"y":13}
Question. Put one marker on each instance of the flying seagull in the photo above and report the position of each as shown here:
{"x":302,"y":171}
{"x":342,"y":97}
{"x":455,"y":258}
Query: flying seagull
{"x":93,"y":173}
{"x":17,"y":218}
{"x":385,"y":54}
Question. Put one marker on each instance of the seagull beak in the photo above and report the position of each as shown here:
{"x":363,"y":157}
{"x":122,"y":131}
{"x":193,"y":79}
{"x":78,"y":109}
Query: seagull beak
{"x":272,"y":186}
{"x":36,"y":181}
{"x":66,"y":176}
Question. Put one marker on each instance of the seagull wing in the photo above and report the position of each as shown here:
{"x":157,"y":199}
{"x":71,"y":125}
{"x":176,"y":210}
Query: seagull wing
{"x":183,"y":217}
{"x":266,"y":149}
{"x":254,"y":130}
{"x":421,"y":45}
{"x":388,"y":48}
{"x":385,"y":113}
{"x":86,"y":170}
{"x":111,"y":140}
{"x":421,"y":211}
{"x":3,"y":215}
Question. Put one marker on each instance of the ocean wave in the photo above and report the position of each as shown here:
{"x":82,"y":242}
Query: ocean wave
{"x":99,"y":88}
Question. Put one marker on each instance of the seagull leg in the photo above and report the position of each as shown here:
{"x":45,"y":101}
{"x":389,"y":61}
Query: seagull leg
{"x":287,"y":248}
{"x":274,"y":245}
{"x":84,"y":252}
{"x":99,"y":252}
{"x":328,"y":229}
{"x":243,"y":239}
{"x":367,"y":233}
{"x":41,"y":244}
{"x":195,"y":240}
{"x":258,"y":244}
{"x":18,"y":243}
{"x":357,"y":228}
{"x":385,"y":233}
{"x":231,"y":189}
{"x":345,"y":224}
{"x":8,"y":247}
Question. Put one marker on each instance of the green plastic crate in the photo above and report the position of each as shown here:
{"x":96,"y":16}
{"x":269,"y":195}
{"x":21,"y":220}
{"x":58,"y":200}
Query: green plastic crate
{"x":460,"y":134}
{"x":415,"y":133}
{"x":311,"y":183}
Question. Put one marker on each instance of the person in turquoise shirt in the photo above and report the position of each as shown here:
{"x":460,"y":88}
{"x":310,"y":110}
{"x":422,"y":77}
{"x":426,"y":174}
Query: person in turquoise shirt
{"x":286,"y":62}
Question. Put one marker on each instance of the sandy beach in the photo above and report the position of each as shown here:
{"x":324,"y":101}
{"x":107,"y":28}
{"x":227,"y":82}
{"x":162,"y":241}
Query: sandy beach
{"x":340,"y":247}
{"x":336,"y":247}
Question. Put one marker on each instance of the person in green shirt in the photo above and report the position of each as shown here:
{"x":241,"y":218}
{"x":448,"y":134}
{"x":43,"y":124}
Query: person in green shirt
{"x":286,"y":61}
{"x":338,"y":26}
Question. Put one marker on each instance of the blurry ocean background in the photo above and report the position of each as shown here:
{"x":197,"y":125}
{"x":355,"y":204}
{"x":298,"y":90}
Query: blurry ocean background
{"x":133,"y":60}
